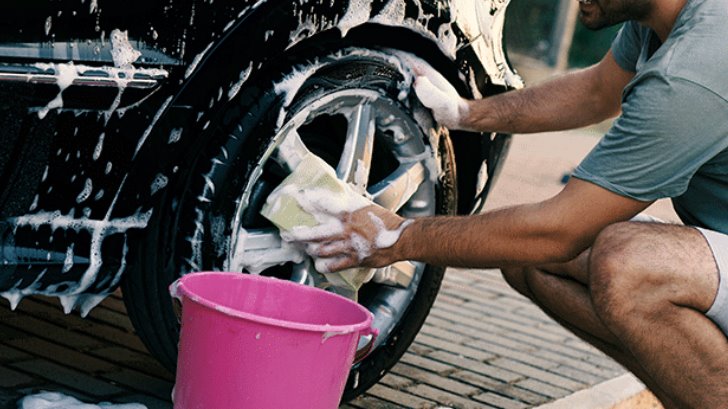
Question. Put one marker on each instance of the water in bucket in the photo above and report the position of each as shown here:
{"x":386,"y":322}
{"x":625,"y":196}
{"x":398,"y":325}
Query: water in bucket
{"x":255,"y":342}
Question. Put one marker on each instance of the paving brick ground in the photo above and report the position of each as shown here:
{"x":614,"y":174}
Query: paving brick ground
{"x":483,"y":346}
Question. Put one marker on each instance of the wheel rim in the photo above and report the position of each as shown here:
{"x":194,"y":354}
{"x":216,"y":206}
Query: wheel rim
{"x":376,"y":131}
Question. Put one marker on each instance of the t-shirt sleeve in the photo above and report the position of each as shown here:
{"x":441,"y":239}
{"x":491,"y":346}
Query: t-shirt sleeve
{"x":660,"y":140}
{"x":627,"y":45}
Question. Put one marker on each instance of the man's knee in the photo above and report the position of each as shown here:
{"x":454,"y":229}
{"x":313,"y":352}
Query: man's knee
{"x":619,"y":273}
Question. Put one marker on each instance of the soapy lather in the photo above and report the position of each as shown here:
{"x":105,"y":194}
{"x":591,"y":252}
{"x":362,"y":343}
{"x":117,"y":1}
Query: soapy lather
{"x":307,"y":204}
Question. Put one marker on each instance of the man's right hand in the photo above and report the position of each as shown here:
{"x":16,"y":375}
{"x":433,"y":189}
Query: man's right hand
{"x":436,"y":93}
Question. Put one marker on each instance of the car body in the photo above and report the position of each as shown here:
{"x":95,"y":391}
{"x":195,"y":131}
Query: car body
{"x":108,"y":106}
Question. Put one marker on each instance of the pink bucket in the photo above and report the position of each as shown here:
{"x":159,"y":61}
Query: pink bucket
{"x":255,"y":342}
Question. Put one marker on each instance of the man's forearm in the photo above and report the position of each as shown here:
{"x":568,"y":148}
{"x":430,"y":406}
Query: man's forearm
{"x":487,"y":240}
{"x":570,"y":101}
{"x":555,"y":230}
{"x":559,"y":104}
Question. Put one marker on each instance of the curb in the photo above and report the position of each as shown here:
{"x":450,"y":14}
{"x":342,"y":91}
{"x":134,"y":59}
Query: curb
{"x":623,"y":392}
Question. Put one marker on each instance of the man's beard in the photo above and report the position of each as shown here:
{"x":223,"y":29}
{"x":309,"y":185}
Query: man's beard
{"x":598,"y":14}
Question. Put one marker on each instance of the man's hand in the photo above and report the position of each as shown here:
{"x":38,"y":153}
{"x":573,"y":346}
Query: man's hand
{"x":448,"y":107}
{"x":366,"y":237}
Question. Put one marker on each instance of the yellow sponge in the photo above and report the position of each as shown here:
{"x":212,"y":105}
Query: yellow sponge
{"x":314,"y":184}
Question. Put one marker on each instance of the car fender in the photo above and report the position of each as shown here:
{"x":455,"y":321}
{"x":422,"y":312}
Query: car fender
{"x":172,"y":123}
{"x":460,"y":38}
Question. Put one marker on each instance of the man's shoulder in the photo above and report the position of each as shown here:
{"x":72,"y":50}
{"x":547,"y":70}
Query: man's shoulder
{"x":699,"y":50}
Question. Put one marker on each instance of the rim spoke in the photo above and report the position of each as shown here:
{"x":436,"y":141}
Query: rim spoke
{"x":291,"y":150}
{"x":356,"y":160}
{"x":395,"y":190}
{"x":399,"y":274}
{"x":258,"y":249}
{"x":262,"y":239}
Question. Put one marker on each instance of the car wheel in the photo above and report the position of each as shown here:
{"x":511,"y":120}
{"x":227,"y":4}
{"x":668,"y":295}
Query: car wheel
{"x":352,"y":108}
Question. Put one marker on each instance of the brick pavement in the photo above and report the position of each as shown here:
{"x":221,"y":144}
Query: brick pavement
{"x":483,"y":346}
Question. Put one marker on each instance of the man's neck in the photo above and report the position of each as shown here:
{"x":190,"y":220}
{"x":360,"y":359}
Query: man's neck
{"x":662,"y":19}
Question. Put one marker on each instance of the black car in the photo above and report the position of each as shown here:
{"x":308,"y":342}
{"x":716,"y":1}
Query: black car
{"x":141,"y":138}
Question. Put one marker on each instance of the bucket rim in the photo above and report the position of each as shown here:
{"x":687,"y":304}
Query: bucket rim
{"x":178,"y":289}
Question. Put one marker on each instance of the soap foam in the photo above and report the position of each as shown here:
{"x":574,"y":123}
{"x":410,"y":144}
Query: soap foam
{"x":159,"y":183}
{"x":175,"y":135}
{"x":289,"y":86}
{"x":86,"y":192}
{"x":99,"y":147}
{"x":256,"y":261}
{"x":437,"y":94}
{"x":68,"y":261}
{"x":357,"y":13}
{"x":329,"y":214}
{"x":387,"y":238}
{"x":67,"y":73}
{"x":235,"y":88}
{"x":56,"y":400}
{"x":122,"y":52}
{"x":195,"y":61}
{"x":99,"y":230}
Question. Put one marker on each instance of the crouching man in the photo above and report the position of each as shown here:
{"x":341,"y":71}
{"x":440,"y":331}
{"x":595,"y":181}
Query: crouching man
{"x":652,"y":296}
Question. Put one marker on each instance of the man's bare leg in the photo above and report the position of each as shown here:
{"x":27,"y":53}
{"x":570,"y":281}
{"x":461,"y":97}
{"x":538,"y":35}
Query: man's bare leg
{"x":651,"y":284}
{"x":561,"y":291}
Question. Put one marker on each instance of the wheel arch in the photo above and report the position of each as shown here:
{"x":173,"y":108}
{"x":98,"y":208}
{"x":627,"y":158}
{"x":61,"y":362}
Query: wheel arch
{"x":194,"y":102}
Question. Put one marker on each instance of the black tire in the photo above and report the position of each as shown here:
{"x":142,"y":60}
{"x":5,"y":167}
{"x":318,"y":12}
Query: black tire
{"x":193,"y":227}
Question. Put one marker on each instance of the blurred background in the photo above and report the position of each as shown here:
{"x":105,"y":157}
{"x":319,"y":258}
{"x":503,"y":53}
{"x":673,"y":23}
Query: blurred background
{"x":547,"y":31}
{"x":544,"y":38}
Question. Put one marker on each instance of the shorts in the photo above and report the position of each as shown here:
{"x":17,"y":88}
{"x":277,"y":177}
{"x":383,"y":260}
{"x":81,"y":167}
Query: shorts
{"x":718,"y":243}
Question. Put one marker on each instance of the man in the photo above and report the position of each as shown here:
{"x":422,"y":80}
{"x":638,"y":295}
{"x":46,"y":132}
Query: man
{"x":653,"y":296}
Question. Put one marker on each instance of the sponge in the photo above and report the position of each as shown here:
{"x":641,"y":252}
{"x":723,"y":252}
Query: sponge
{"x":313,"y":186}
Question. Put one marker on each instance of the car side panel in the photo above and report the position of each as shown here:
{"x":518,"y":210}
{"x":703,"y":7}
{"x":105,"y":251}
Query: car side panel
{"x":106,"y":171}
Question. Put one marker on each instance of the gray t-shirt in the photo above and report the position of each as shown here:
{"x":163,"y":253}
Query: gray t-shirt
{"x":672,"y":137}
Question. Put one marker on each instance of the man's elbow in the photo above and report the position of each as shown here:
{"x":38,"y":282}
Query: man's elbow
{"x":556,"y":235}
{"x":560,"y":248}
{"x":603,"y":107}
{"x":566,"y":251}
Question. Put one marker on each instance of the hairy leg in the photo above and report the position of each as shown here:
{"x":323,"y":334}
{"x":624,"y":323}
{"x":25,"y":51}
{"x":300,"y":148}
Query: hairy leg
{"x":561,"y":291}
{"x":650,"y":285}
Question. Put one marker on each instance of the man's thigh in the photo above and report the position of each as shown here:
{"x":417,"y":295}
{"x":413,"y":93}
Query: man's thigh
{"x":660,"y":261}
{"x":686,"y":262}
{"x":578,"y":268}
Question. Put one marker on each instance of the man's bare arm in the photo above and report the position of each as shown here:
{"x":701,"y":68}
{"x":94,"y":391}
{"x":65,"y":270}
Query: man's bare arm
{"x":555,"y":230}
{"x":573,"y":100}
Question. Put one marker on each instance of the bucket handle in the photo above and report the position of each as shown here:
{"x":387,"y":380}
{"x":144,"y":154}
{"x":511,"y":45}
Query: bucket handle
{"x":364,"y":351}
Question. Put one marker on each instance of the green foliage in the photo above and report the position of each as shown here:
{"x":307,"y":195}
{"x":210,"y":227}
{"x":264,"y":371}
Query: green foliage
{"x":529,"y":26}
